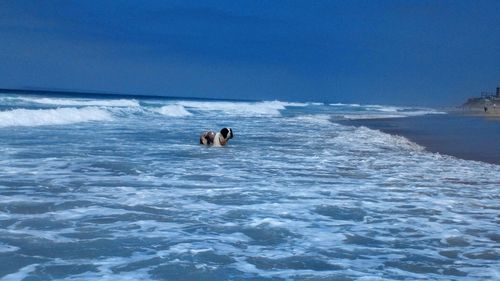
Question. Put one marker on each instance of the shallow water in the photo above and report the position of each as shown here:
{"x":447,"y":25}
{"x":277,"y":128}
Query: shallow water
{"x":113,"y":189}
{"x":466,"y":137}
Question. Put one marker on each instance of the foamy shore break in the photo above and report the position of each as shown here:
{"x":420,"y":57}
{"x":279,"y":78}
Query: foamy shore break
{"x":103,"y":188}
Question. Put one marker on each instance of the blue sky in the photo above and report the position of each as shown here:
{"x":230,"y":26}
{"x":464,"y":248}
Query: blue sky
{"x":392,"y":52}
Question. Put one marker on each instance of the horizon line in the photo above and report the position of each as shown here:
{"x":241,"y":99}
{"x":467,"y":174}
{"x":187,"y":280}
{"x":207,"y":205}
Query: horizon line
{"x":103,"y":94}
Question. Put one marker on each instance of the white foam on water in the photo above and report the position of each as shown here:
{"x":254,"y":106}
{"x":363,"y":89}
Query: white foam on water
{"x":423,"y":112}
{"x":7,"y":248}
{"x":365,"y":138}
{"x":79,"y":213}
{"x":105,"y":269}
{"x":312,"y":118}
{"x":264,"y":108}
{"x":404,"y":110}
{"x":345,"y":104}
{"x":371,"y":116}
{"x":297,"y":104}
{"x":389,"y":113}
{"x":174,"y":110}
{"x":54,"y":236}
{"x":266,"y":221}
{"x":286,"y":199}
{"x":383,"y":108}
{"x":85,"y":102}
{"x":58,"y":116}
{"x":375,"y":111}
{"x":10,"y":99}
{"x":188,"y":248}
{"x":20,"y":274}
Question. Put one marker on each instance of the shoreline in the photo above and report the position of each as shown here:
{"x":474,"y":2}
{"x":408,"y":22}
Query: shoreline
{"x":493,"y":115}
{"x":465,"y":136}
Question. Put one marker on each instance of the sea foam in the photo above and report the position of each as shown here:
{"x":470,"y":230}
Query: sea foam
{"x":365,"y":139}
{"x":293,"y":198}
{"x":371,"y":116}
{"x":85,"y":102}
{"x":264,"y":108}
{"x":372,"y":112}
{"x":174,"y":110}
{"x":312,"y":118}
{"x":375,"y":111}
{"x":58,"y":116}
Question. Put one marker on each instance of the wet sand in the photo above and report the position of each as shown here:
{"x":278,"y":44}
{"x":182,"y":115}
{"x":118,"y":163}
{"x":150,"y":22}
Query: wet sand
{"x":495,"y":115}
{"x":467,"y":136}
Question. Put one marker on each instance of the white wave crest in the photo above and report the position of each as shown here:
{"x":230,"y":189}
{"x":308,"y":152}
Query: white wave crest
{"x":423,"y":112}
{"x":372,"y":140}
{"x":384,"y":112}
{"x":173,"y":110}
{"x":265,"y":108}
{"x":58,"y":116}
{"x":315,"y":119}
{"x":296,"y":104}
{"x":85,"y":102}
{"x":383,"y":108}
{"x":375,"y":111}
{"x":371,"y":116}
{"x":345,"y":104}
{"x":405,"y":111}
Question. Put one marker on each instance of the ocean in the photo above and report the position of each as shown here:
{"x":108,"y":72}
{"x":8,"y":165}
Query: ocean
{"x":102,"y":188}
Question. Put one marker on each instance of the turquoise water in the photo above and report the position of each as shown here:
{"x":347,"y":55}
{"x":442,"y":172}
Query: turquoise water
{"x":119,"y":189}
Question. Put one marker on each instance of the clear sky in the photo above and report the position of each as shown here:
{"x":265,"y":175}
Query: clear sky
{"x":391,"y":52}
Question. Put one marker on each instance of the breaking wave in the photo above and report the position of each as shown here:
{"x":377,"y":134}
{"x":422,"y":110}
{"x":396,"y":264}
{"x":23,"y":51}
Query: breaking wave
{"x":58,"y":116}
{"x":264,"y":108}
{"x":345,"y":104}
{"x":85,"y":102}
{"x":313,"y":118}
{"x":365,"y":139}
{"x":371,"y":116}
{"x":174,"y":110}
{"x":383,"y":112}
{"x":296,"y":197}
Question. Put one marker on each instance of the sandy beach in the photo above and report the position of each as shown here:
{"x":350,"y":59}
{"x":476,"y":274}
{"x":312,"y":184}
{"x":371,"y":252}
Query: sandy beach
{"x":494,"y":115}
{"x":484,"y":107}
{"x":465,"y":135}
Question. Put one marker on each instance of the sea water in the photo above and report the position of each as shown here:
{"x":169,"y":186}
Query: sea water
{"x":120,"y":189}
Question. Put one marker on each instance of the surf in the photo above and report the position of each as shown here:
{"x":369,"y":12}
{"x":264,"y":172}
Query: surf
{"x":58,"y":116}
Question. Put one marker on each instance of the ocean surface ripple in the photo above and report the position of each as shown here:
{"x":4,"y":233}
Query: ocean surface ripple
{"x":117,"y":189}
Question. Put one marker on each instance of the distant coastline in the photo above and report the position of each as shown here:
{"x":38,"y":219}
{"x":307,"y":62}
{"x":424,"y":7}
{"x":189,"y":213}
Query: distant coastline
{"x":487,"y":105}
{"x":490,"y":114}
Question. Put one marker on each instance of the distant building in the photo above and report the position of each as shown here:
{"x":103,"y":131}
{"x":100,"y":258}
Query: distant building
{"x":490,"y":95}
{"x":485,"y":102}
